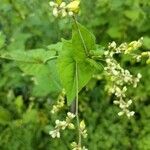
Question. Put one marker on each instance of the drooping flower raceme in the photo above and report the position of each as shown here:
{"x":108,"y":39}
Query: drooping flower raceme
{"x":119,"y":76}
{"x":83,"y":132}
{"x":82,"y":129}
{"x":60,"y":103}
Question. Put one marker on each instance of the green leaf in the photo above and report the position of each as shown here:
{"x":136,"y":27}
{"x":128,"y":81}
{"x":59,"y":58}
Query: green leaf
{"x":114,"y":32}
{"x":47,"y":80}
{"x":18,"y":41}
{"x":2,"y":39}
{"x":78,"y":46}
{"x":5,"y":116}
{"x":146,"y":42}
{"x":37,"y":56}
{"x":30,"y":115}
{"x":94,"y":64}
{"x":56,"y":47}
{"x":132,"y":14}
{"x":67,"y":70}
{"x":37,"y":64}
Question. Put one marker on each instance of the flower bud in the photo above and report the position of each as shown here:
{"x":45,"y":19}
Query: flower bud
{"x":71,"y":126}
{"x":58,"y":2}
{"x":62,"y":5}
{"x":73,"y":6}
{"x":82,"y":125}
{"x":120,"y":113}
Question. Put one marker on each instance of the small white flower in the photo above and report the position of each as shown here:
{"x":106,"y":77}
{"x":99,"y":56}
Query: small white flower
{"x":129,"y":102}
{"x":63,"y":125}
{"x":115,"y":72}
{"x":138,"y":58}
{"x":124,"y":89}
{"x":57,"y":122}
{"x":130,"y":114}
{"x":55,"y":12}
{"x":112,"y":45}
{"x":120,"y":113}
{"x":106,"y":53}
{"x":84,"y":148}
{"x":139,"y":75}
{"x":122,"y":106}
{"x":51,"y":3}
{"x":108,"y":60}
{"x":64,"y":13}
{"x":62,"y":5}
{"x":55,"y":134}
{"x":116,"y":102}
{"x":70,"y":13}
{"x":71,"y":115}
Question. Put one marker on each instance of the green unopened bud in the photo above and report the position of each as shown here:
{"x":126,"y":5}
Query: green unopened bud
{"x":148,"y":61}
{"x":71,"y":126}
{"x":58,"y":2}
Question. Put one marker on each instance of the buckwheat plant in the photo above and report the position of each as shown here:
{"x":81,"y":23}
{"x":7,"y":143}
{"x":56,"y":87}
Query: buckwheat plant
{"x":61,"y":9}
{"x":83,"y":56}
{"x":69,"y":65}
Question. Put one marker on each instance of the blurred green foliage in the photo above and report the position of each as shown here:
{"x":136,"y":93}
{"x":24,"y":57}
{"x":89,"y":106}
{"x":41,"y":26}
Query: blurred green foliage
{"x":25,"y":118}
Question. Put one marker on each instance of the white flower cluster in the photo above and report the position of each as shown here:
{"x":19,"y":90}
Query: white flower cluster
{"x":124,"y":106}
{"x":118,"y":74}
{"x":129,"y":48}
{"x":62,"y":125}
{"x":120,"y":77}
{"x":75,"y":146}
{"x":125,"y":47}
{"x":83,"y":132}
{"x":82,"y":129}
{"x":60,"y":102}
{"x":62,"y":9}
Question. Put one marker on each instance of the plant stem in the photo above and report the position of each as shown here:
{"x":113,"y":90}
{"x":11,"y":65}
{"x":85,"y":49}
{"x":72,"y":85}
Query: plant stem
{"x":81,"y":37}
{"x":77,"y":109}
{"x":51,"y":58}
